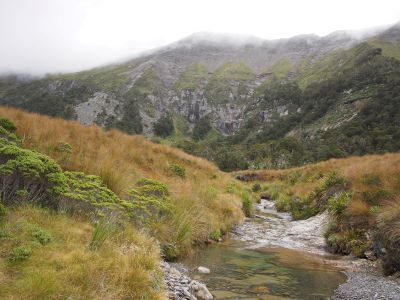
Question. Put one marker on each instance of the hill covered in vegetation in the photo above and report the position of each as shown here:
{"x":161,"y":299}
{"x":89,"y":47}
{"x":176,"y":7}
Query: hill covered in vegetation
{"x":89,"y":214}
{"x":255,"y":104}
{"x":361,"y":195}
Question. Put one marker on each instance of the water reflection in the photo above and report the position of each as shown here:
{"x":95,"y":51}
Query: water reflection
{"x":265,"y":273}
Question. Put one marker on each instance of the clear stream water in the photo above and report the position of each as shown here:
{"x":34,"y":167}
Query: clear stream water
{"x":259,"y":268}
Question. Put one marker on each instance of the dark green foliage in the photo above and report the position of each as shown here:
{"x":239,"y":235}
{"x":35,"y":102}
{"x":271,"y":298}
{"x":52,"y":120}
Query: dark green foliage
{"x":177,"y":170}
{"x":164,"y":126}
{"x":131,"y":121}
{"x":7,"y":125}
{"x":229,"y":159}
{"x":256,"y":187}
{"x":365,"y":82}
{"x":201,"y":128}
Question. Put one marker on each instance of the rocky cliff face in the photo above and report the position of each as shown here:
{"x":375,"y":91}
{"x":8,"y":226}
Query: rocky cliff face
{"x":205,"y":74}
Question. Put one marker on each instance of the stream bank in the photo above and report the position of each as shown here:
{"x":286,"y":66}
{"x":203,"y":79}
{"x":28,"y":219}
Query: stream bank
{"x":273,"y":257}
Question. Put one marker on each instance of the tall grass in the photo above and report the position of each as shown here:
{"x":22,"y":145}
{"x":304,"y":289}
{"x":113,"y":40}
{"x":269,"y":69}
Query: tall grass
{"x":121,"y":160}
{"x":125,"y":267}
{"x":103,"y":229}
{"x":361,"y":194}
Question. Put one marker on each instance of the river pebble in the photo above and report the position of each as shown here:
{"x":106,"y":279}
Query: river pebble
{"x":367,"y":287}
{"x":180,"y":286}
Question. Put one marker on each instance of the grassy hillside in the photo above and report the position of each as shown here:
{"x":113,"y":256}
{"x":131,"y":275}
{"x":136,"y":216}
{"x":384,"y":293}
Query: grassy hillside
{"x":362,"y":195}
{"x":199,"y":193}
{"x":88,"y":214}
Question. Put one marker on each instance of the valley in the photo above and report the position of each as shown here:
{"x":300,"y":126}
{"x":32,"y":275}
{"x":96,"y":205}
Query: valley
{"x":216,"y":167}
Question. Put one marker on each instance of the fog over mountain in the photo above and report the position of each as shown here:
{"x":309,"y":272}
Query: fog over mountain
{"x":47,"y":36}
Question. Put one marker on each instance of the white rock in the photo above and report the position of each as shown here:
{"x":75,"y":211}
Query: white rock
{"x":203,"y":270}
{"x":200,"y":291}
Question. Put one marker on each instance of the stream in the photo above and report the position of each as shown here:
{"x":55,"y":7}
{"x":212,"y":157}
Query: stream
{"x":270,"y":257}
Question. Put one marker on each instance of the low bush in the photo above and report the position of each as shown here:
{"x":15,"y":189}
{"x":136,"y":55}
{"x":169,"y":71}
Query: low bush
{"x":42,"y":236}
{"x":177,"y":170}
{"x":338,"y":203}
{"x":36,"y":174}
{"x":148,"y":201}
{"x":256,"y":187}
{"x":247,"y":204}
{"x":8,"y":125}
{"x":20,"y":253}
{"x":87,"y":191}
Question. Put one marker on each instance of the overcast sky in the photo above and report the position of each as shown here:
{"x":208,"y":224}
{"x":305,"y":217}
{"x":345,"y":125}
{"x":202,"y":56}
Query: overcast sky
{"x":41,"y":36}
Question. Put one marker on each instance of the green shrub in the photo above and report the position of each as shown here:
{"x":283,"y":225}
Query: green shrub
{"x":201,"y":128}
{"x":64,"y":148}
{"x":90,"y":189}
{"x":42,"y":236}
{"x":36,"y":174}
{"x":7,"y":125}
{"x":20,"y":253}
{"x":256,"y":187}
{"x":164,"y":126}
{"x":331,"y":185}
{"x":282,"y":202}
{"x":338,"y":203}
{"x":216,"y":235}
{"x":177,"y":170}
{"x":148,"y":201}
{"x":247,"y":204}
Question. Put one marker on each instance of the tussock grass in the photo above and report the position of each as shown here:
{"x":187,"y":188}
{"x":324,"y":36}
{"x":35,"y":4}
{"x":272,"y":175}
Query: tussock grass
{"x":201,"y":203}
{"x":125,"y":267}
{"x":363,"y":200}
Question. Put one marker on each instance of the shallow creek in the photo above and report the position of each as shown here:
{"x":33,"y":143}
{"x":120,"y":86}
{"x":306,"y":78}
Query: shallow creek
{"x":270,"y":257}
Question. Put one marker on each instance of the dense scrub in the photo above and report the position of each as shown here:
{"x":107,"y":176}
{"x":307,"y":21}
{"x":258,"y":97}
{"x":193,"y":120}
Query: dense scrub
{"x":361,"y":195}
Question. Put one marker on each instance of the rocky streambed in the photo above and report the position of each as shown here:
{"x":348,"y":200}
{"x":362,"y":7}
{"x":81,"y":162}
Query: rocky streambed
{"x":272,"y":256}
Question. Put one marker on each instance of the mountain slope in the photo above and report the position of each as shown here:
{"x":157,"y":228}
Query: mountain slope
{"x":253,"y":97}
{"x":150,"y":84}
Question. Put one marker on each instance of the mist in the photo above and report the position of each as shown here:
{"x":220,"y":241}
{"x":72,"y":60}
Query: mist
{"x":52,"y":36}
